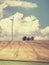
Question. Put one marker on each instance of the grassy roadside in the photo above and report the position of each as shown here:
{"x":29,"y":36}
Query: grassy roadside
{"x":21,"y":63}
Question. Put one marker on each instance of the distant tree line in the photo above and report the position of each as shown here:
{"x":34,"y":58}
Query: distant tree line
{"x":28,"y":38}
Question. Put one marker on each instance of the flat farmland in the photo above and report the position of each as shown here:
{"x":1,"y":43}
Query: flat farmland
{"x":25,"y":50}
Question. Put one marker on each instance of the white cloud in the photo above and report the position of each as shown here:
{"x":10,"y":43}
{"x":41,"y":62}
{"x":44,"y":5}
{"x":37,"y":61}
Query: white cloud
{"x":45,"y":31}
{"x":41,"y":38}
{"x":5,"y":3}
{"x":2,"y":1}
{"x":1,"y":13}
{"x":2,"y":6}
{"x":25,"y":25}
{"x":22,"y":25}
{"x":21,"y":4}
{"x":43,"y":34}
{"x":6,"y":25}
{"x":18,"y":16}
{"x":28,"y":25}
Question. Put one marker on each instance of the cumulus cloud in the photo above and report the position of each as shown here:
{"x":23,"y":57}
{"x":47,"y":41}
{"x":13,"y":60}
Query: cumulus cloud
{"x":6,"y":25}
{"x":43,"y":34}
{"x":28,"y":25}
{"x":1,"y":13}
{"x":41,"y":37}
{"x":22,"y":25}
{"x":25,"y":25}
{"x":45,"y":31}
{"x":2,"y":6}
{"x":21,"y":4}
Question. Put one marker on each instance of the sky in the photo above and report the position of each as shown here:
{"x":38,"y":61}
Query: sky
{"x":29,"y":17}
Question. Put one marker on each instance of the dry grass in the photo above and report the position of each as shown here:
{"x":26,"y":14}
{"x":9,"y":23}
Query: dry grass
{"x":25,"y":50}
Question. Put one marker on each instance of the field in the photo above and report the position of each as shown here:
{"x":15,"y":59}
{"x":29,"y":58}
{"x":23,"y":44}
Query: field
{"x":18,"y":52}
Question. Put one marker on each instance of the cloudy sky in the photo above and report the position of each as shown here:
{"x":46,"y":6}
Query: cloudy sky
{"x":29,"y":17}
